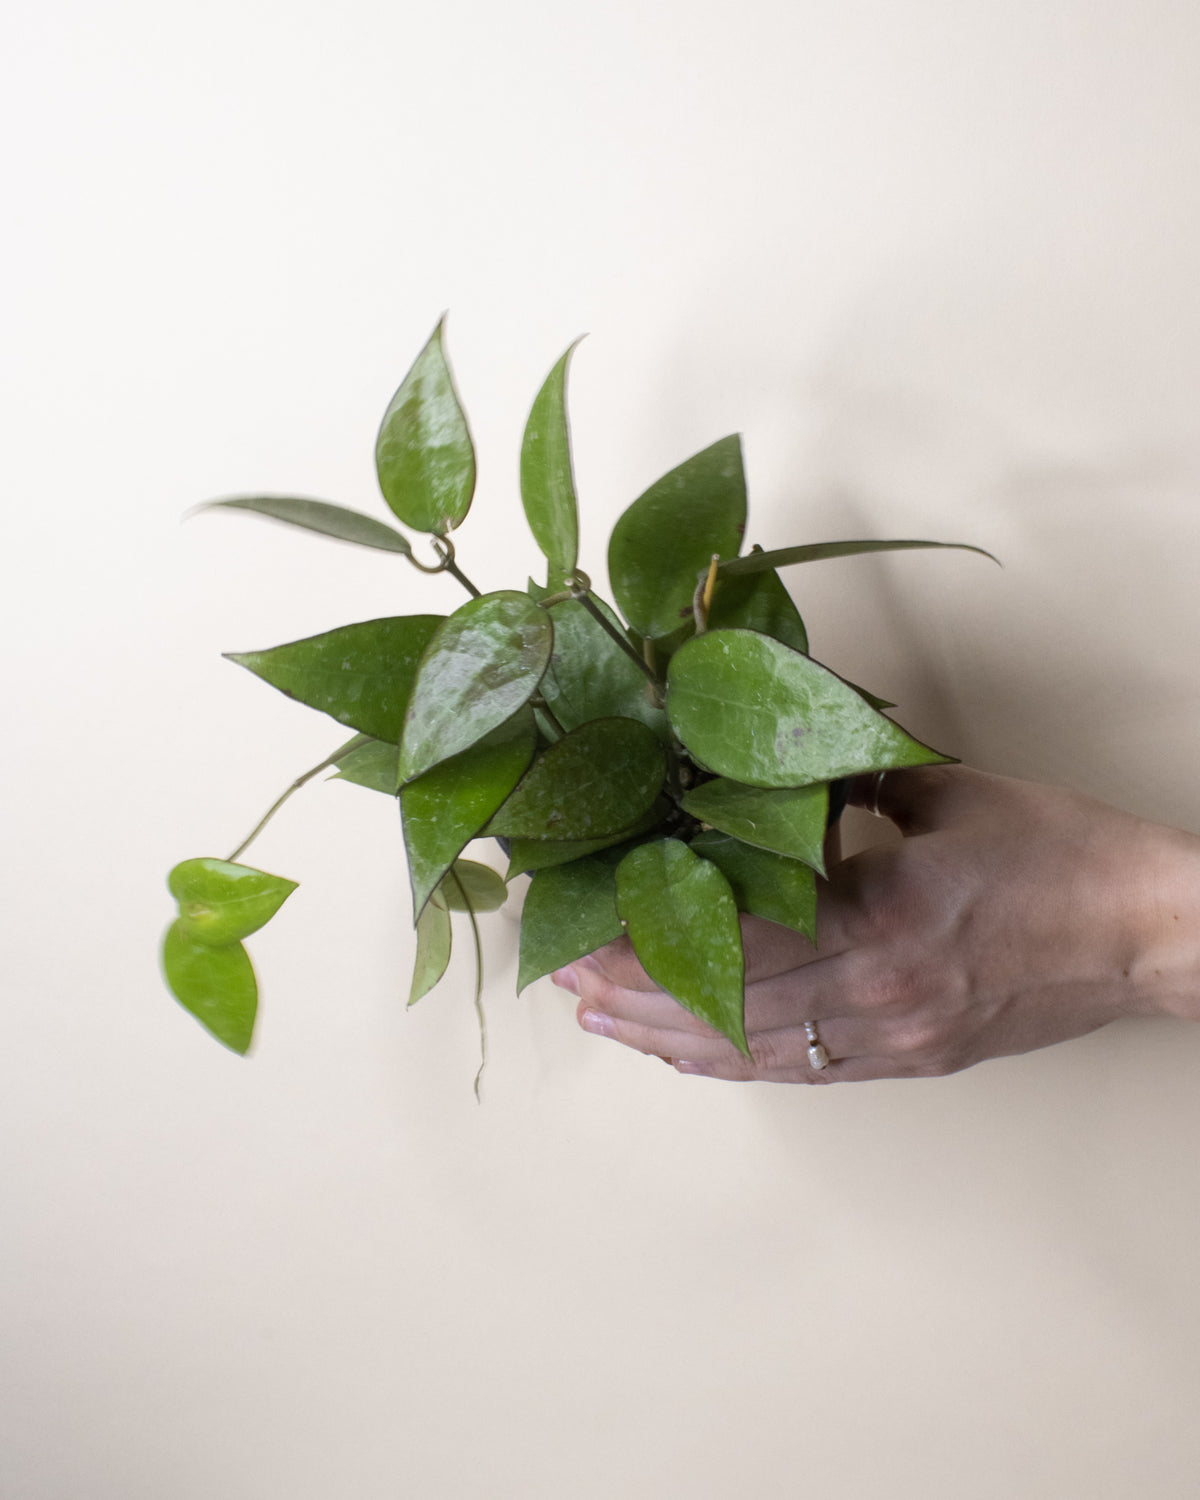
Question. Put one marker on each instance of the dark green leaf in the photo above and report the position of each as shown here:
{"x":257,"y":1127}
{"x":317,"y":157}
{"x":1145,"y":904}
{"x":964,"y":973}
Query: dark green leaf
{"x":547,"y":484}
{"x":569,"y":911}
{"x":669,"y":533}
{"x":764,"y":884}
{"x":782,"y":557}
{"x":752,"y":709}
{"x":680,"y":914}
{"x":361,"y":675}
{"x":590,"y":677}
{"x":599,"y":779}
{"x":222,"y":903}
{"x":446,"y":807}
{"x":423,"y":454}
{"x":375,"y":765}
{"x":470,"y":886}
{"x":433,"y":950}
{"x":318,"y":515}
{"x":759,"y":602}
{"x":482,"y":666}
{"x":788,"y":820}
{"x":527,"y":855}
{"x":216,"y":984}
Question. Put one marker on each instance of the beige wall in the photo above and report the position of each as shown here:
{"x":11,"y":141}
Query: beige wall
{"x":938,"y":262}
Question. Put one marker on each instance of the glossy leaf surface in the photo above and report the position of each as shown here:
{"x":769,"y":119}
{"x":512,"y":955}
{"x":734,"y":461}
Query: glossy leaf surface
{"x":423,"y":454}
{"x":782,"y":557}
{"x":547,"y":483}
{"x":446,"y":807}
{"x":320,"y":516}
{"x":599,"y":779}
{"x":375,"y":765}
{"x":569,"y":911}
{"x":788,"y":820}
{"x":470,"y":886}
{"x":527,"y":855}
{"x":764,"y":884}
{"x":758,"y":601}
{"x":222,"y":903}
{"x":361,"y":675}
{"x":680,"y":914}
{"x":216,"y":985}
{"x":669,"y":533}
{"x":482,"y":666}
{"x":756,"y":711}
{"x":589,"y":676}
{"x":434,"y":938}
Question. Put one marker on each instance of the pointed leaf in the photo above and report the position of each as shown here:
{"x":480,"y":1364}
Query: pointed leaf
{"x":759,"y":602}
{"x":484,"y":663}
{"x":788,"y":820}
{"x":527,"y":855}
{"x":680,"y":915}
{"x":375,"y":765}
{"x":222,"y":903}
{"x":361,"y":675}
{"x":423,"y":454}
{"x":764,"y":884}
{"x":216,"y":984}
{"x":547,"y":484}
{"x":782,"y":557}
{"x":589,"y":676}
{"x":433,"y":950}
{"x":597,"y":780}
{"x":669,"y":533}
{"x":756,"y":711}
{"x":470,"y":886}
{"x":568,"y":911}
{"x":446,"y":807}
{"x":318,"y":515}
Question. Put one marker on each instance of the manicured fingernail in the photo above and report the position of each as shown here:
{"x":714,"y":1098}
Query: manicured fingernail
{"x":697,"y":1069}
{"x":597,"y":1022}
{"x":566,"y":979}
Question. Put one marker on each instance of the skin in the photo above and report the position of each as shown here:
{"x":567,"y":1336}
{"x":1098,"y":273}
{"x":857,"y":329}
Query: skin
{"x":1010,"y":917}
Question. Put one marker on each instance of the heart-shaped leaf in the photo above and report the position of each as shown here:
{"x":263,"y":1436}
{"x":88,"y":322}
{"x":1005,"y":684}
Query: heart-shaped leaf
{"x":222,"y":903}
{"x":756,"y":711}
{"x":527,"y":855}
{"x":680,"y":914}
{"x":423,"y":454}
{"x":788,"y":820}
{"x":361,"y":675}
{"x":470,"y":886}
{"x":446,"y":807}
{"x":547,"y":483}
{"x":669,"y":533}
{"x":568,"y":911}
{"x":433,"y":950}
{"x":758,"y":601}
{"x":764,"y":884}
{"x":599,"y":779}
{"x":318,"y":515}
{"x":782,"y":557}
{"x":216,"y":984}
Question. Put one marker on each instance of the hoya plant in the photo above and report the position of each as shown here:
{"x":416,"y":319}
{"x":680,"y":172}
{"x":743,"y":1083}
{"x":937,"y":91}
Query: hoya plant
{"x":657,"y":764}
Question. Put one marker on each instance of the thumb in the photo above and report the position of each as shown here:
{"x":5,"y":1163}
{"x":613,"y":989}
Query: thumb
{"x":917,"y":799}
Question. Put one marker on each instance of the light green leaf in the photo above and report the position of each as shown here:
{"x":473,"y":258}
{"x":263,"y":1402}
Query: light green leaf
{"x":446,"y":807}
{"x":668,"y":534}
{"x":527,"y":855}
{"x":752,"y":709}
{"x":680,"y":914}
{"x":484,"y":663}
{"x":547,"y":484}
{"x":423,"y":454}
{"x":470,"y":886}
{"x":782,"y":557}
{"x":569,"y":911}
{"x":788,"y":820}
{"x":375,"y":765}
{"x":597,"y":780}
{"x":764,"y":884}
{"x":222,"y":903}
{"x":361,"y":675}
{"x":433,"y":950}
{"x":318,"y":515}
{"x":759,"y":602}
{"x":216,"y":984}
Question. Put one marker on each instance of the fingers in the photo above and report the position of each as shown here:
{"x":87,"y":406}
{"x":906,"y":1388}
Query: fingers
{"x":918,"y":799}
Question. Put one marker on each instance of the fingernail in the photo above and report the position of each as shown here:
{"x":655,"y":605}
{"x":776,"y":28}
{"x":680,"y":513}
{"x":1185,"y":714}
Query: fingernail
{"x":697,"y":1069}
{"x":597,"y":1022}
{"x":566,"y":979}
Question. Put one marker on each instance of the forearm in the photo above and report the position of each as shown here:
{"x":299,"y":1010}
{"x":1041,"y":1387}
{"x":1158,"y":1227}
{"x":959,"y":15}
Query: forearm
{"x":1164,"y":974}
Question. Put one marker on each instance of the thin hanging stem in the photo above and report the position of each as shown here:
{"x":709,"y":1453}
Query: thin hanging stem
{"x":589,"y":603}
{"x":538,"y":702}
{"x":702,"y":598}
{"x":444,"y":548}
{"x":466,"y":901}
{"x":300,"y":781}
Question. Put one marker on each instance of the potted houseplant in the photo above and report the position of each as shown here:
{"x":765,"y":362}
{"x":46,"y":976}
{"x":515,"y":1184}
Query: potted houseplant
{"x":658,"y":767}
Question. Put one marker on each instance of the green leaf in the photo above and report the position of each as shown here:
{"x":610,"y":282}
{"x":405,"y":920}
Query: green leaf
{"x":318,"y":515}
{"x":787,"y":820}
{"x":758,"y":562}
{"x":446,"y":807}
{"x":764,"y":884}
{"x":547,"y":484}
{"x":361,"y":675}
{"x":423,"y":454}
{"x":589,"y":676}
{"x":759,"y":602}
{"x":597,"y":780}
{"x":470,"y":886}
{"x":216,"y":984}
{"x":680,"y":914}
{"x":569,"y":911}
{"x":527,"y":855}
{"x":669,"y":533}
{"x":433,"y":950}
{"x":484,"y":663}
{"x":222,"y":903}
{"x":375,"y":765}
{"x":754,"y":710}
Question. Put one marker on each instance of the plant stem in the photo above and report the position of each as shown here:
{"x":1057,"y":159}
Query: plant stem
{"x":300,"y":781}
{"x":466,"y":901}
{"x":538,"y":702}
{"x":456,"y":572}
{"x":589,"y":603}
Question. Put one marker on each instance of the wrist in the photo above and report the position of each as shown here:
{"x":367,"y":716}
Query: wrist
{"x":1163,"y":973}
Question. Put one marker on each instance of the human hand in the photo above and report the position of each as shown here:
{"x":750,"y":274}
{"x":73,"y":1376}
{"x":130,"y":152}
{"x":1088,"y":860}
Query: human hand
{"x":1011,"y":916}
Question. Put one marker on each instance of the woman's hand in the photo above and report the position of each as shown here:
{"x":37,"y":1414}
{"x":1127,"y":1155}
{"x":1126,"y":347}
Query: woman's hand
{"x":1012,"y":916}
